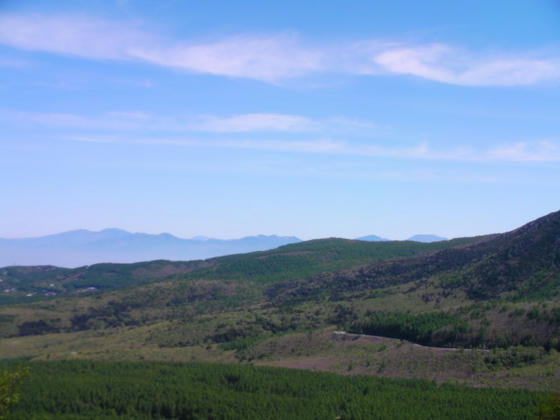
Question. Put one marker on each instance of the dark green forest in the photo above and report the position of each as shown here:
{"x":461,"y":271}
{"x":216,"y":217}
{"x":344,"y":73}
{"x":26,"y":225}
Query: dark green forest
{"x":419,"y":328}
{"x":144,"y":390}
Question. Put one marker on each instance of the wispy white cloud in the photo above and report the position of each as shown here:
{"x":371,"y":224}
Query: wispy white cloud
{"x":111,"y":120}
{"x":76,"y":35}
{"x":321,"y":146}
{"x":536,"y":152}
{"x":262,"y":58}
{"x":539,"y":151}
{"x":254,"y":122}
{"x":127,"y":122}
{"x":446,"y":64}
{"x":256,"y":57}
{"x":242,"y":123}
{"x":274,"y":58}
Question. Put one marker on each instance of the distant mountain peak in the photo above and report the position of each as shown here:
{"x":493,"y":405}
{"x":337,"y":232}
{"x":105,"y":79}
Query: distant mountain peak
{"x":426,"y":238}
{"x":201,"y":238}
{"x":372,"y":238}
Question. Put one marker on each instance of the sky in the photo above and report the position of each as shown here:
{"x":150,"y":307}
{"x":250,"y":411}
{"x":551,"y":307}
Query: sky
{"x":314,"y":119}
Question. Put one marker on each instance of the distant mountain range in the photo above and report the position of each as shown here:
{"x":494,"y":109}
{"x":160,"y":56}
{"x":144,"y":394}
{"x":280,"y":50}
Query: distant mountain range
{"x":83,"y":247}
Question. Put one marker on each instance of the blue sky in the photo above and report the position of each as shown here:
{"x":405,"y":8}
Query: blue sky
{"x":312,"y":118}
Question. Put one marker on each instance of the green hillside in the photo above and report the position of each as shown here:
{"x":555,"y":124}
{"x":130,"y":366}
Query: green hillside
{"x":290,"y":261}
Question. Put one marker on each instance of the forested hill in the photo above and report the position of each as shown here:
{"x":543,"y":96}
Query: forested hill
{"x":288,"y":261}
{"x":524,"y":262}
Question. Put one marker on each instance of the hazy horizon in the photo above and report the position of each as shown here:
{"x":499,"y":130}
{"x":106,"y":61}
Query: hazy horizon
{"x":81,"y":247}
{"x":206,"y":237}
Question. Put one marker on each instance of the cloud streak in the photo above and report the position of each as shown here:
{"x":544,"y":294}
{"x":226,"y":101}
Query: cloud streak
{"x":241,"y":123}
{"x":255,"y":122}
{"x":443,"y":63}
{"x":124,"y":124}
{"x":273,"y":58}
{"x":74,"y":35}
{"x":540,"y":151}
{"x":268,"y":59}
{"x":520,"y":152}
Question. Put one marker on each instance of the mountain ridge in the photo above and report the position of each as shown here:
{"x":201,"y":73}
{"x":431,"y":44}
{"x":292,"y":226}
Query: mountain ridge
{"x":84,"y":247}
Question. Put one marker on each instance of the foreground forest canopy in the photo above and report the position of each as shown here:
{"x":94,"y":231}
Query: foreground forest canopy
{"x":481,"y":311}
{"x":125,"y":390}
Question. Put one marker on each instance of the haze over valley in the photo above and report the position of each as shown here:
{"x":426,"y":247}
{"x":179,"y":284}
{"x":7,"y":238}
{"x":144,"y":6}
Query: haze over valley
{"x":83,"y":247}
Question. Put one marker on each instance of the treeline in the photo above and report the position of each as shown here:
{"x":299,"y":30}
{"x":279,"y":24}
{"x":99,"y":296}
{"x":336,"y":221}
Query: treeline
{"x":146,"y":390}
{"x":426,"y":328}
